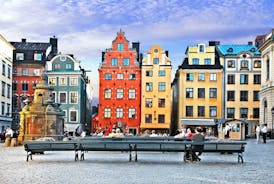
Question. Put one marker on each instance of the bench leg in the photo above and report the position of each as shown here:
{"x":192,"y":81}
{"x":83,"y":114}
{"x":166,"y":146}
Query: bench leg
{"x":76,"y":156}
{"x":130,"y":156}
{"x":136,"y":156}
{"x":82,"y":155}
{"x":29,"y":155}
{"x":240,"y":158}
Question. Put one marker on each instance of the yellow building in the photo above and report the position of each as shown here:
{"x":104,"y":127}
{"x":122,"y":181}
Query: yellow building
{"x":156,"y":90}
{"x":197,"y":89}
{"x":242,"y":83}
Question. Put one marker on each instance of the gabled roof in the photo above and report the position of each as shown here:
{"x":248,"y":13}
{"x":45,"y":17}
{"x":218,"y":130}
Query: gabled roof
{"x":186,"y":65}
{"x":237,"y":49}
{"x":30,"y":46}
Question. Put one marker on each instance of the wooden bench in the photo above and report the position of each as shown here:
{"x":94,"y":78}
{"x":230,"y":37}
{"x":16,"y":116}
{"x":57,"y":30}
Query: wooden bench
{"x":136,"y":145}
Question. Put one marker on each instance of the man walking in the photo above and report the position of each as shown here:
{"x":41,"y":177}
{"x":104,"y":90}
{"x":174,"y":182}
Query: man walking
{"x":264,"y":132}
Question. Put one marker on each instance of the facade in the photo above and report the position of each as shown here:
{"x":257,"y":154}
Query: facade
{"x":197,"y":88}
{"x":29,"y":61}
{"x":69,"y":82}
{"x":6,"y":54}
{"x":156,"y":90}
{"x":120,"y":86}
{"x":267,"y":87}
{"x":241,"y":84}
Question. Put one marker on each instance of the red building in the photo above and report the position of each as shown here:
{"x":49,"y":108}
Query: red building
{"x":120,"y":86}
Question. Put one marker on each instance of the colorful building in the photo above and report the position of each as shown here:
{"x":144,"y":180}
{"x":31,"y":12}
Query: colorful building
{"x":197,"y":89}
{"x":120,"y":86}
{"x":241,"y":84}
{"x":29,"y":59}
{"x":70,"y":89}
{"x":156,"y":90}
{"x":267,"y":87}
{"x":6,"y":55}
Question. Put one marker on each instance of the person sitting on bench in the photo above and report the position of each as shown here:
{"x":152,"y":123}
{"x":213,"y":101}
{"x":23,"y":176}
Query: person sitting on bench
{"x":197,"y":137}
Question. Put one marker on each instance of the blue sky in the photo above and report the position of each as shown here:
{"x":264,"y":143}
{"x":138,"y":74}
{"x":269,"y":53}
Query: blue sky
{"x":85,"y":28}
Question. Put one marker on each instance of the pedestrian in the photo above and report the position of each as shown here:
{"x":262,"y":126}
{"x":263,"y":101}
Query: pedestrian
{"x":264,"y":132}
{"x":258,"y":132}
{"x":227,"y":130}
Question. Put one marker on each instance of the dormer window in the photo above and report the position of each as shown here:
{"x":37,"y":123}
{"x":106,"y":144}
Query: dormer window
{"x":244,"y":64}
{"x":201,"y":47}
{"x":120,"y":46}
{"x":252,"y":49}
{"x":230,"y":50}
{"x":257,"y":64}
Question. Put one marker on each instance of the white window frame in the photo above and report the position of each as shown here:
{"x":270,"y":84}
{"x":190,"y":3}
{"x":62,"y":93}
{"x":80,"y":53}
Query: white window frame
{"x":71,"y":79}
{"x":60,"y":97}
{"x":119,"y":113}
{"x":54,"y":78}
{"x":213,"y":76}
{"x":132,"y":113}
{"x":70,"y":115}
{"x":106,"y":96}
{"x":107,"y":114}
{"x":77,"y":96}
{"x":65,"y":81}
{"x":131,"y":94}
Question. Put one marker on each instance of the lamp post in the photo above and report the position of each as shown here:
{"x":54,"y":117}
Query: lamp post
{"x":272,"y":111}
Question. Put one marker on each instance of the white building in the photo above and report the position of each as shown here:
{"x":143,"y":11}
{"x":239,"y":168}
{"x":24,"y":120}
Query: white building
{"x":6,"y":54}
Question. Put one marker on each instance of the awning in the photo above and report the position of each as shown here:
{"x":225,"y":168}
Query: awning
{"x":198,"y":122}
{"x":71,"y":127}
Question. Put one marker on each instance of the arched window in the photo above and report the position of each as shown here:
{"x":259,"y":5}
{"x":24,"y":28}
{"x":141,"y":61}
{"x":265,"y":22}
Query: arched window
{"x":267,"y":69}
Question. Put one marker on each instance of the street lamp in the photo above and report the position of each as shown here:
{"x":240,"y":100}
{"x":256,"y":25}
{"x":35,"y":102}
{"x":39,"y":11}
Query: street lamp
{"x":272,"y":111}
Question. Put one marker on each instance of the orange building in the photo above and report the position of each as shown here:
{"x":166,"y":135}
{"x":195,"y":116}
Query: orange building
{"x":120,"y":86}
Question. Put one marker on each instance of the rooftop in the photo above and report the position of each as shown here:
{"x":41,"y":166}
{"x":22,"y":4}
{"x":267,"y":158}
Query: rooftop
{"x":237,"y":49}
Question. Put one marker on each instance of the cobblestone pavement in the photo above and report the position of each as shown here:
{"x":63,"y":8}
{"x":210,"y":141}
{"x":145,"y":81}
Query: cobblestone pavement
{"x":113,"y":167}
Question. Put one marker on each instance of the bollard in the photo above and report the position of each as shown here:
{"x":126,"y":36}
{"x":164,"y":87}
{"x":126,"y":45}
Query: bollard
{"x":7,"y":142}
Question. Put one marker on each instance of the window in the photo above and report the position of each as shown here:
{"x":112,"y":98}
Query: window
{"x":9,"y":91}
{"x":267,"y":69}
{"x":230,"y":79}
{"x":149,"y":102}
{"x":243,"y":112}
{"x":9,"y":71}
{"x":149,"y":86}
{"x":155,"y":61}
{"x":120,"y":46}
{"x":25,"y":87}
{"x":256,"y":95}
{"x":114,"y":62}
{"x":73,"y":97}
{"x":53,"y":96}
{"x":149,"y":73}
{"x":257,"y":79}
{"x":3,"y":108}
{"x":256,"y":112}
{"x":201,"y":111}
{"x":201,"y":76}
{"x":189,"y":76}
{"x":230,"y":95}
{"x":19,"y":56}
{"x":189,"y":110}
{"x":119,"y":93}
{"x":57,"y":66}
{"x":162,"y":73}
{"x":243,"y":79}
{"x":14,"y":86}
{"x":201,"y":48}
{"x":244,"y":64}
{"x":257,"y":64}
{"x":25,"y":72}
{"x":189,"y":92}
{"x":212,"y":92}
{"x":207,"y":61}
{"x":62,"y":81}
{"x":131,"y":113}
{"x":119,"y":113}
{"x":3,"y":88}
{"x":212,"y":111}
{"x":68,"y":66}
{"x":195,"y":61}
{"x":120,"y":76}
{"x":63,"y":97}
{"x":125,"y":61}
{"x":36,"y":72}
{"x":231,"y":64}
{"x":161,"y":86}
{"x":201,"y":92}
{"x":107,"y":93}
{"x":230,"y":113}
{"x":132,"y":76}
{"x":107,"y":113}
{"x":131,"y":94}
{"x":243,"y":95}
{"x":52,"y":81}
{"x":213,"y":77}
{"x":161,"y":102}
{"x":4,"y":69}
{"x":148,"y":118}
{"x":8,"y":109}
{"x":37,"y":56}
{"x":73,"y":115}
{"x":108,"y":76}
{"x":161,"y":118}
{"x":73,"y":81}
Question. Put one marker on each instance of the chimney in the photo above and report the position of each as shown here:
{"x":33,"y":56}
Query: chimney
{"x":213,"y":43}
{"x":24,"y":40}
{"x":249,"y":43}
{"x":166,"y":53}
{"x":103,"y":56}
{"x":136,"y":45}
{"x":54,"y":45}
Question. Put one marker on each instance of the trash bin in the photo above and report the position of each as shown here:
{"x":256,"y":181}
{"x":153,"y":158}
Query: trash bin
{"x":7,"y":141}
